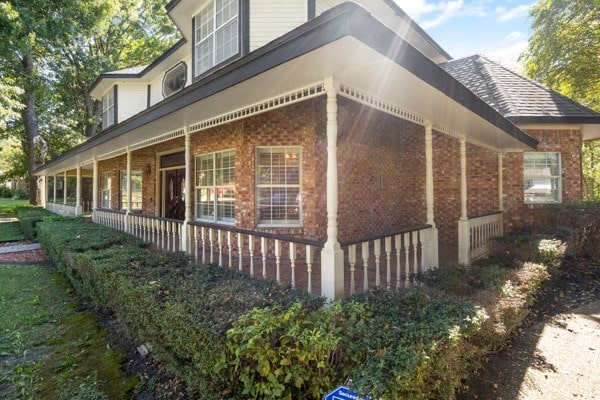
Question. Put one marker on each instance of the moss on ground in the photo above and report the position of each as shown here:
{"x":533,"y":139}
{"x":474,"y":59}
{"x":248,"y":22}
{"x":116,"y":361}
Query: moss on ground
{"x":48,"y":348}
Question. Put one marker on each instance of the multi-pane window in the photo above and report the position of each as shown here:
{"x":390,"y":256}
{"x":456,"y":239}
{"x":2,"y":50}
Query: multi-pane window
{"x":106,"y":181}
{"x":215,"y":186}
{"x":60,"y":189}
{"x":50,"y":189}
{"x":216,"y":34}
{"x":542,"y":177}
{"x":278,"y":186}
{"x":136,"y":190}
{"x":108,"y":108}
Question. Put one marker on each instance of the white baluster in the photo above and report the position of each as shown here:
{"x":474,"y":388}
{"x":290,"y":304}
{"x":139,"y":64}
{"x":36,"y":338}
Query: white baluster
{"x":220,"y":244}
{"x":423,"y":244}
{"x":240,"y":248}
{"x":415,"y":239}
{"x":196,"y":249}
{"x":352,"y":261}
{"x":278,"y":260}
{"x":388,"y":256}
{"x":365,"y":258}
{"x":407,"y":256}
{"x":203,"y":239}
{"x":251,"y":249}
{"x":263,"y":250}
{"x":377,"y":253}
{"x":211,"y":237}
{"x":309,"y":263}
{"x":229,"y":247}
{"x":293,"y":262}
{"x":398,"y":246}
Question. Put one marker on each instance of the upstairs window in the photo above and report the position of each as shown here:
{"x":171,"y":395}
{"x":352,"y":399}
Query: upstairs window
{"x":108,"y":109}
{"x":175,"y":79}
{"x":216,"y":36}
{"x":542,"y":178}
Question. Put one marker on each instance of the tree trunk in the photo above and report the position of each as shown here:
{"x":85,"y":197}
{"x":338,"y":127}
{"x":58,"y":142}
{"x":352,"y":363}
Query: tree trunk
{"x":30,"y":125}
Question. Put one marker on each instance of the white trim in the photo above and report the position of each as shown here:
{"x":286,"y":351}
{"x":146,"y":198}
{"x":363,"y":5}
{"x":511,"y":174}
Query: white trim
{"x":197,"y":187}
{"x":296,"y":96}
{"x":559,"y":177}
{"x":165,"y":137}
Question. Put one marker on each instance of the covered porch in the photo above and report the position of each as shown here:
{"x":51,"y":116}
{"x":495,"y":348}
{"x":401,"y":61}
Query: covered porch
{"x":330,"y":254}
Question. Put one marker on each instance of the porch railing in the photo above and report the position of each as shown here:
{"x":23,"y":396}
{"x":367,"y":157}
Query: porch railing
{"x":391,"y":259}
{"x":61,"y":209}
{"x":110,"y":218}
{"x":481,"y":229}
{"x":165,"y":233}
{"x":283,"y":258}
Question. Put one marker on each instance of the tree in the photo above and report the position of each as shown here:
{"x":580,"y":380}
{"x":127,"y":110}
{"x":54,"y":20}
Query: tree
{"x":51,"y":52}
{"x":564,"y":54}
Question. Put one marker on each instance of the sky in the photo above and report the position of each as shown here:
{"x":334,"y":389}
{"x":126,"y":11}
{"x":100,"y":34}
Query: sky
{"x":497,"y":29}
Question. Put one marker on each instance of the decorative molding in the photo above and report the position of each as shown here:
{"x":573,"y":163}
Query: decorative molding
{"x":296,"y":96}
{"x":381,"y":105}
{"x":158,"y":139}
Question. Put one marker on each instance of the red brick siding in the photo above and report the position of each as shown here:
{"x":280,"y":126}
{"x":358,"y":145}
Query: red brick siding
{"x":482,"y":181}
{"x":568,"y":143}
{"x":372,"y":145}
{"x":446,"y":185}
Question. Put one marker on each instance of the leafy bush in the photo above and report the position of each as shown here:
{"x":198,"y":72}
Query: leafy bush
{"x":29,"y":218}
{"x":586,"y":241}
{"x":462,"y":280}
{"x":232,"y":336}
{"x":6,"y":193}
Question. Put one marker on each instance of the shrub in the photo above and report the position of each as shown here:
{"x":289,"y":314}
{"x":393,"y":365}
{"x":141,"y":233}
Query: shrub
{"x":6,"y":193}
{"x":586,"y":241}
{"x":29,"y":218}
{"x":462,"y":280}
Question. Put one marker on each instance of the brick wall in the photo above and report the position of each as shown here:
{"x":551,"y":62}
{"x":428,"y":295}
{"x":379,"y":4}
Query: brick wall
{"x":381,"y":172}
{"x":568,"y":143}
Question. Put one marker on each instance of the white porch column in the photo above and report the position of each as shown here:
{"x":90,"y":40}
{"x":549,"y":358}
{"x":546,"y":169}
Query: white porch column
{"x":464,"y":235}
{"x":500,"y":182}
{"x":43,"y":190}
{"x":501,"y":189}
{"x":78,"y":207}
{"x":64,"y":188}
{"x":94,"y":188}
{"x":54,"y":194}
{"x":429,"y":195}
{"x":186,"y":244}
{"x":128,"y":191}
{"x":332,"y":257}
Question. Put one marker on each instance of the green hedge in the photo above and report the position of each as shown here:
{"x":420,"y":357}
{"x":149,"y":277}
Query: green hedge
{"x":29,"y":218}
{"x":231,"y":336}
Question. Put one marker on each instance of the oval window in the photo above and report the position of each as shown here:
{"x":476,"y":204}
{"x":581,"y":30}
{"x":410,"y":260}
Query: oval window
{"x":175,"y":79}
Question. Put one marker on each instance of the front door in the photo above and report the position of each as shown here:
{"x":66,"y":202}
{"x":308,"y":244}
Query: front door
{"x":174,"y":192}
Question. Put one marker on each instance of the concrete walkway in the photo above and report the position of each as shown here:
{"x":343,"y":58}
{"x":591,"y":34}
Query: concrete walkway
{"x":17,"y":248}
{"x":553,"y":360}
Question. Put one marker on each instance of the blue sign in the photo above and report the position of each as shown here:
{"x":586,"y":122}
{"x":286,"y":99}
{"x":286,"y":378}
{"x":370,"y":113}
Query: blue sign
{"x":343,"y":393}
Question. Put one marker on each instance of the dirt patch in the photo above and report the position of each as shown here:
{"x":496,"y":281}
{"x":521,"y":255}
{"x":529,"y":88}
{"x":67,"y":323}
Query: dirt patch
{"x":543,"y":362}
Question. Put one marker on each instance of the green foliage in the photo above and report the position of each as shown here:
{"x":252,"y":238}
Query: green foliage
{"x":462,"y":280}
{"x":286,"y":354}
{"x":11,"y":232}
{"x":29,"y":218}
{"x":564,"y":54}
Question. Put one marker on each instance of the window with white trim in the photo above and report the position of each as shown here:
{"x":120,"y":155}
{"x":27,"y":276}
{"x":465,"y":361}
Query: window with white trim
{"x":278,"y":176}
{"x":216,"y":36}
{"x":136,"y":189}
{"x":215,"y":186}
{"x":542,"y":177}
{"x":108,"y":108}
{"x":105,"y":196}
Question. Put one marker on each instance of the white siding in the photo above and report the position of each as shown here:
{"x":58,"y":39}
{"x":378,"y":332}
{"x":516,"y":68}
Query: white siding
{"x":131,"y":99}
{"x":324,"y":5}
{"x":269,"y":19}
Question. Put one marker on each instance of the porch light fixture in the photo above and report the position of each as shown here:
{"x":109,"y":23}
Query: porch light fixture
{"x":148,"y":169}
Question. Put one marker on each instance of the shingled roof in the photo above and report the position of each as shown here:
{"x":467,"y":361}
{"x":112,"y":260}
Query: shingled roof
{"x":514,"y":96}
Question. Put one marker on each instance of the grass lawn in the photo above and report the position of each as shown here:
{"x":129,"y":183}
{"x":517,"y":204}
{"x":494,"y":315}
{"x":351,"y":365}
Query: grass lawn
{"x":50,"y":350}
{"x":8,"y":207}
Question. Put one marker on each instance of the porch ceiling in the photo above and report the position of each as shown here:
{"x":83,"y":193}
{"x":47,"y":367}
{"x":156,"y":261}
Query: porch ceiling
{"x":351,"y":59}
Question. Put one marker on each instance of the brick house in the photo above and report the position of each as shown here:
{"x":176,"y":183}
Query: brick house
{"x":330,"y":144}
